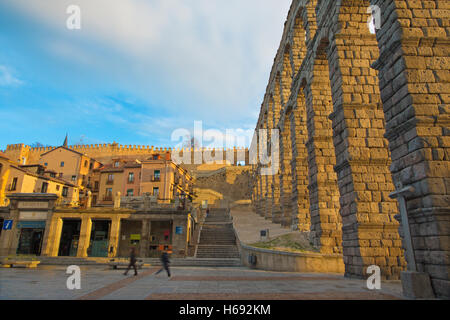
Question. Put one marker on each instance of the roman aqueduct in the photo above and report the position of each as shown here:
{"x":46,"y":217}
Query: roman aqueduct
{"x":360,"y":116}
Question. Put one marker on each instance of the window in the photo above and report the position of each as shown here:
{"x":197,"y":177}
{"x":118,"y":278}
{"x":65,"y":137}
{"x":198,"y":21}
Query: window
{"x":57,"y":187}
{"x":60,"y":175}
{"x":74,"y":178}
{"x":91,"y":166}
{"x":46,"y":164}
{"x":62,"y":164}
{"x":130,"y":192}
{"x":157,"y":175}
{"x":96,"y":185}
{"x":108,"y":195}
{"x":14,"y":184}
{"x":156,"y":191}
{"x":44,"y":187}
{"x":52,"y":174}
{"x":65,"y":191}
{"x":110,"y":179}
{"x":131,"y":177}
{"x":86,"y":163}
{"x":117,"y":164}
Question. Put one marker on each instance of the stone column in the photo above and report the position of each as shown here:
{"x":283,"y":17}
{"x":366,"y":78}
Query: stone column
{"x":114,"y":236}
{"x":85,"y":237}
{"x":370,"y":235}
{"x":54,"y":237}
{"x":326,"y":226}
{"x":285,"y":171}
{"x":414,"y":85}
{"x":300,"y":195}
{"x":274,"y":180}
{"x":145,"y":235}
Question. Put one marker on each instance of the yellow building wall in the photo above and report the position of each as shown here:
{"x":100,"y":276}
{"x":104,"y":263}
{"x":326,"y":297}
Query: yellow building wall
{"x":117,"y":186}
{"x":4,"y":177}
{"x":72,"y":163}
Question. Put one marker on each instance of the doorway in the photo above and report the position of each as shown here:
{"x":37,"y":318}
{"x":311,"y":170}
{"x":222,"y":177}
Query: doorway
{"x":99,"y":238}
{"x":70,"y":236}
{"x":30,"y":241}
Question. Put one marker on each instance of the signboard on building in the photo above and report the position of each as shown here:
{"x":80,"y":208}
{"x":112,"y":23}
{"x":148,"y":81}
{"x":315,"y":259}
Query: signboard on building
{"x":7,"y":224}
{"x":31,"y":225}
{"x":33,"y":205}
{"x":179,"y":230}
{"x":32,"y":215}
{"x":135,"y":237}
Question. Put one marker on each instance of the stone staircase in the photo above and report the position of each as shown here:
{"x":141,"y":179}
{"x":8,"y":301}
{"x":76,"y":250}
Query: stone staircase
{"x":217,"y":237}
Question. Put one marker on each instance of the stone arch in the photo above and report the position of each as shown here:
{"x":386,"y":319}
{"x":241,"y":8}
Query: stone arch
{"x":286,"y":76}
{"x":299,"y":41}
{"x":326,"y":223}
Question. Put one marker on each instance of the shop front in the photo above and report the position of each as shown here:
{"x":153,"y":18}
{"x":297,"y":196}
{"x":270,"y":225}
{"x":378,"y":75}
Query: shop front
{"x":70,"y":237}
{"x":31,"y":237}
{"x":99,"y":238}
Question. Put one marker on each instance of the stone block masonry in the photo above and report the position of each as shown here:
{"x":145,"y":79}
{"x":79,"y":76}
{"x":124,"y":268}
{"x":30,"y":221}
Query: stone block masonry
{"x":362,"y":115}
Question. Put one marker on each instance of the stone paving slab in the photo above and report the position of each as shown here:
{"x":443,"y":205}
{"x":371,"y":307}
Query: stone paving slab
{"x":187,"y":283}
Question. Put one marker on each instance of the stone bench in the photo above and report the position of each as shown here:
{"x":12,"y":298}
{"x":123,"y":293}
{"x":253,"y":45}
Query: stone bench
{"x":20,"y":263}
{"x":116,"y":264}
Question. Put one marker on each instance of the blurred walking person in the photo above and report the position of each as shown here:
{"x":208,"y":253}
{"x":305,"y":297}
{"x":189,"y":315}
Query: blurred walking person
{"x":165,"y":262}
{"x":132,"y":262}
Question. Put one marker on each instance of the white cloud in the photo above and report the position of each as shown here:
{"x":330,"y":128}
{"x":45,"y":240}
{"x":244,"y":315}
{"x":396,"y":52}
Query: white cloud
{"x":7,"y":78}
{"x":216,"y":54}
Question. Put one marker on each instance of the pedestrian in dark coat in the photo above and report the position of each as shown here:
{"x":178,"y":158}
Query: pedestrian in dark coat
{"x":132,"y":262}
{"x":165,"y":262}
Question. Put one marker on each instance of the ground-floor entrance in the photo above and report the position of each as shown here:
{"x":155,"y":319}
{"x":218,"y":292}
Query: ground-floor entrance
{"x":160,"y":238}
{"x":31,"y":236}
{"x":130,"y":236}
{"x":99,"y":238}
{"x":70,"y":236}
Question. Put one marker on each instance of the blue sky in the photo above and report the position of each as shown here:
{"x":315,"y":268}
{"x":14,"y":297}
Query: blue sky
{"x":136,"y":71}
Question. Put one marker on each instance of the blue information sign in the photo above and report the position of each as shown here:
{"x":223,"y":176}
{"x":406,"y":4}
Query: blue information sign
{"x":31,"y":225}
{"x":179,"y":230}
{"x":7,"y":224}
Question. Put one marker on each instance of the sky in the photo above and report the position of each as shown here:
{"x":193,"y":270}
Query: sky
{"x":136,"y":71}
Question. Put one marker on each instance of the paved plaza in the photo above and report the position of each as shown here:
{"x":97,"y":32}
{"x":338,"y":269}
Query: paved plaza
{"x":187,"y":283}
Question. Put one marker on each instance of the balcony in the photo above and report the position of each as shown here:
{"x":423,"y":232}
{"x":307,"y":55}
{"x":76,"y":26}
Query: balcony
{"x":110,"y":182}
{"x":108,"y":198}
{"x":156,"y":179}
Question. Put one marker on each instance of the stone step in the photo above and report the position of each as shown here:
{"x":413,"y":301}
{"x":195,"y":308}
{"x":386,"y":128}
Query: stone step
{"x":200,"y":262}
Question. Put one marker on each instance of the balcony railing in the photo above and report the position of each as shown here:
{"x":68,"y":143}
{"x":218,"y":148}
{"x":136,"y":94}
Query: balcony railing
{"x":107,"y":198}
{"x":156,"y":179}
{"x":110,"y":182}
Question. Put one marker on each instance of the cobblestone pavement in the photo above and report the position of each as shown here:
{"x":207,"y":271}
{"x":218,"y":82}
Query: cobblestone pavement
{"x":187,"y":283}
